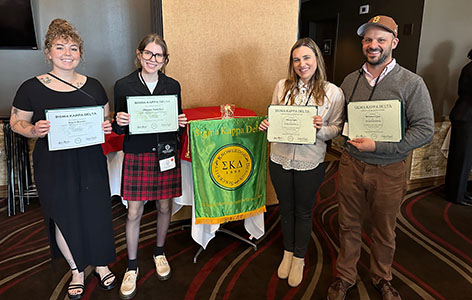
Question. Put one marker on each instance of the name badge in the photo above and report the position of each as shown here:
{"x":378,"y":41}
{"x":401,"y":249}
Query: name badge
{"x":167,"y":163}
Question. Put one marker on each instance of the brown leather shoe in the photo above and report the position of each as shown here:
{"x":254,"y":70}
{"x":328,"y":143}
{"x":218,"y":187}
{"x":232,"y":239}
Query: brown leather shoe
{"x":338,"y":289}
{"x":387,"y":291}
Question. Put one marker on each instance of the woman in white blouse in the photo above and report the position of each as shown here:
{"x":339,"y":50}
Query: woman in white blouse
{"x":298,"y":170}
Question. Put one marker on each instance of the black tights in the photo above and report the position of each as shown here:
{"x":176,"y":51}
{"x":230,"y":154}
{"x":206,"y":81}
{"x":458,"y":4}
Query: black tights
{"x":296,"y":192}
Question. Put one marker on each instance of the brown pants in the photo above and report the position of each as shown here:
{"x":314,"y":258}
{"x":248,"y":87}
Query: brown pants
{"x":368,"y":191}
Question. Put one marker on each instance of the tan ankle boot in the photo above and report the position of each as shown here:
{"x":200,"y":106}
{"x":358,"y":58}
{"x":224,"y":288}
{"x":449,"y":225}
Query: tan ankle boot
{"x":296,"y":271}
{"x":284,"y":268}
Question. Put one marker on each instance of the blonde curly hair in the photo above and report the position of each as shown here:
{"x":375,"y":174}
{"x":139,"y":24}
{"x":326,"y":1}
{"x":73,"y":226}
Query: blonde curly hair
{"x":60,"y":28}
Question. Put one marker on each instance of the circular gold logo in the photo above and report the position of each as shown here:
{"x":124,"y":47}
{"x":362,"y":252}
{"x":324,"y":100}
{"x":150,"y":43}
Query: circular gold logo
{"x":231,"y":166}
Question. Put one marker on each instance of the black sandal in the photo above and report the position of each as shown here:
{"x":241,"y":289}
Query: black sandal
{"x":74,"y":286}
{"x":104,"y":279}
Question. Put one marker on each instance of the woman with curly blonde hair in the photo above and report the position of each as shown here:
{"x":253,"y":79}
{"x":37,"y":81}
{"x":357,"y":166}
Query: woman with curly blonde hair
{"x":73,"y":183}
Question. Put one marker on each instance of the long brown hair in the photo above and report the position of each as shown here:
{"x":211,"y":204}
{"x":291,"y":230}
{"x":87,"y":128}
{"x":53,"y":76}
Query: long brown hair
{"x":316,"y":83}
{"x":158,"y":40}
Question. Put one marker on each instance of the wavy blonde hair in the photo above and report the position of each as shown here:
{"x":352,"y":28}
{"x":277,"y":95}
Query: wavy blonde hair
{"x":60,"y":28}
{"x":316,"y":83}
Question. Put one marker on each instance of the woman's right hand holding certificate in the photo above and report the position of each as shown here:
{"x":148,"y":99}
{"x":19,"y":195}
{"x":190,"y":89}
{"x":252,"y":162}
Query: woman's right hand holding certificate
{"x":122,"y":118}
{"x":41,"y":128}
{"x":264,"y":125}
{"x":20,"y":122}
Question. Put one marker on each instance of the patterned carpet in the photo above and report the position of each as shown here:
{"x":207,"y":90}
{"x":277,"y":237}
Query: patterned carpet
{"x":433,"y":258}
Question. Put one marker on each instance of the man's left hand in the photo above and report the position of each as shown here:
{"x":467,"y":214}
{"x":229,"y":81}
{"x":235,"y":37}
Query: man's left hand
{"x":363,"y":144}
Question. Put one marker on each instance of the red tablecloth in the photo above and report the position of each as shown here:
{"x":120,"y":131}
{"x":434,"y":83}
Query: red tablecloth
{"x":113,"y":143}
{"x":202,"y":113}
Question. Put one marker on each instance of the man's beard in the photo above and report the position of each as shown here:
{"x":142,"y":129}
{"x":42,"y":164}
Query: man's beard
{"x":384,"y":54}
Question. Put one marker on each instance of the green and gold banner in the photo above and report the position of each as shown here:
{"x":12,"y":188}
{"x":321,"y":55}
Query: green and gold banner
{"x":229,"y":164}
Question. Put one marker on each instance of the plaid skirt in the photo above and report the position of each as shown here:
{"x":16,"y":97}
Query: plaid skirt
{"x":142,"y":180}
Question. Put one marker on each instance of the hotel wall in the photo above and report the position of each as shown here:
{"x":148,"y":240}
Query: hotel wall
{"x":220,"y":51}
{"x":111,"y":30}
{"x":229,"y":51}
{"x":445,"y":42}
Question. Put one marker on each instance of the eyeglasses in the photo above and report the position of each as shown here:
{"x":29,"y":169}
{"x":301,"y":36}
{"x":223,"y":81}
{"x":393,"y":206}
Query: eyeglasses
{"x":148,"y":55}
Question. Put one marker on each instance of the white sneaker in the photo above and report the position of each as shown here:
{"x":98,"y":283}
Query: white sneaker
{"x":128,"y":285}
{"x":162,"y":267}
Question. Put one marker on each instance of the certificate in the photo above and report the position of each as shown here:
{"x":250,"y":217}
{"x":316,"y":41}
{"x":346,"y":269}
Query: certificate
{"x":291,"y":124}
{"x":75,"y":127}
{"x":152,"y":114}
{"x":380,"y":120}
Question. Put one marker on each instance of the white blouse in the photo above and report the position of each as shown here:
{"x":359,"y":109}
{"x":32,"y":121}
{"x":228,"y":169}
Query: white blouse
{"x":307,"y":157}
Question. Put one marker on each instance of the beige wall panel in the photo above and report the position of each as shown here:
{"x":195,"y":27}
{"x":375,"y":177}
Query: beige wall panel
{"x":231,"y":51}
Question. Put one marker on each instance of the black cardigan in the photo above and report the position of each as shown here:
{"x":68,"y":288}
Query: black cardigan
{"x":131,"y":85}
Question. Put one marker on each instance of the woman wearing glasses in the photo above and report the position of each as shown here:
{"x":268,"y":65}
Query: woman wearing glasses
{"x":144,"y":177}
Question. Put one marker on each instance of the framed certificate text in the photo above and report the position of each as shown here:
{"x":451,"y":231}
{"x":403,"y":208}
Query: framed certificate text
{"x":153,"y":114}
{"x":380,"y":120}
{"x":75,"y":127}
{"x":291,"y":124}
